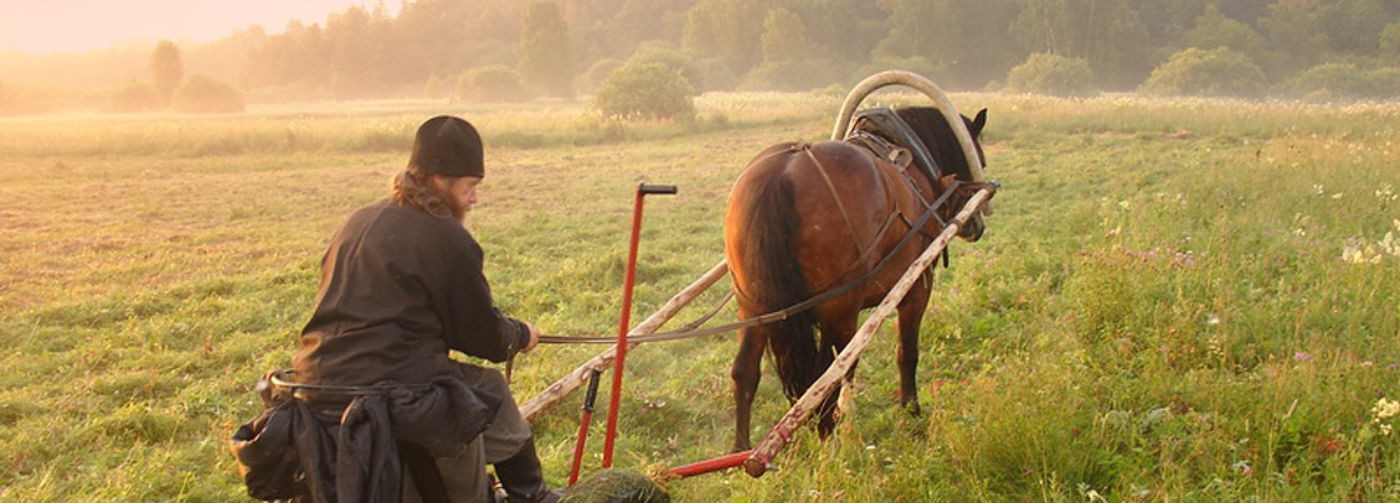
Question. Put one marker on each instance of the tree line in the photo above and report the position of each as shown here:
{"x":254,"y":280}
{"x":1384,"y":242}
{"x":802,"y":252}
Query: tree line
{"x":805,"y":44}
{"x":487,"y":49}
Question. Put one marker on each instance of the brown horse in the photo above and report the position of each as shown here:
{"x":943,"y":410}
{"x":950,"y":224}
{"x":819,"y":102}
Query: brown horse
{"x":807,"y":218}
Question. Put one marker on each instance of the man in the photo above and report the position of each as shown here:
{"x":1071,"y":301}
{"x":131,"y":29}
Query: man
{"x":401,"y":285}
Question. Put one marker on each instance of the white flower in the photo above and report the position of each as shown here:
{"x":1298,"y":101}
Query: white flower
{"x":1389,"y":245}
{"x":1385,"y":409}
{"x":1386,"y":193}
{"x":1355,"y":251}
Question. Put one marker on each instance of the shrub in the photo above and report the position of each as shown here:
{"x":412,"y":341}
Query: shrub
{"x":646,"y":90}
{"x":593,"y":77}
{"x":1385,"y":82}
{"x":1390,"y":40}
{"x":495,"y":83}
{"x":436,"y":87}
{"x":1214,"y":72}
{"x":676,"y":60}
{"x":1345,"y":81}
{"x":1052,"y":74}
{"x":201,"y":95}
{"x":1330,"y":80}
{"x":135,"y":97}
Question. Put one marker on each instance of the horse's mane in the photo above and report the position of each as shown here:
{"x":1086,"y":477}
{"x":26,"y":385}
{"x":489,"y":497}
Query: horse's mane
{"x":938,"y":138}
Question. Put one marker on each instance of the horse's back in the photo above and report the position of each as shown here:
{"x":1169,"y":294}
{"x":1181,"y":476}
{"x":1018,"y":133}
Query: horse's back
{"x":813,"y":207}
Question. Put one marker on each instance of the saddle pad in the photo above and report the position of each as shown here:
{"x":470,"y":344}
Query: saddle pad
{"x":885,"y":123}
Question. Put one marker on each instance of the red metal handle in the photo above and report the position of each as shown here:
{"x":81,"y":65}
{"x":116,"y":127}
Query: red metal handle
{"x":583,"y":425}
{"x":625,"y":321}
{"x":710,"y":465}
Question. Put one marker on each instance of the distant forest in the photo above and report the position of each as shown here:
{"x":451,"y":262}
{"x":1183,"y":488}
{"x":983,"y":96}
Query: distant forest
{"x":565,"y":48}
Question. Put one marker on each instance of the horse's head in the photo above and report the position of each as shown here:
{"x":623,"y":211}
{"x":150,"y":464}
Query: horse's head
{"x":947,"y":152}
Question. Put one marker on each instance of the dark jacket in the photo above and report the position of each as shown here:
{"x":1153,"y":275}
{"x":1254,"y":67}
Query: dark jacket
{"x":399,"y":287}
{"x":351,"y":454}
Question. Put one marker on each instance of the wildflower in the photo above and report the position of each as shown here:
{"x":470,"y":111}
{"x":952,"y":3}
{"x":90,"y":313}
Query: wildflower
{"x":1337,"y":195}
{"x":1386,"y":193}
{"x":1317,"y":189}
{"x":1355,"y":251}
{"x":1214,"y":320}
{"x":1089,"y":493}
{"x":1243,"y":467}
{"x":1385,"y":409}
{"x":1301,"y":356}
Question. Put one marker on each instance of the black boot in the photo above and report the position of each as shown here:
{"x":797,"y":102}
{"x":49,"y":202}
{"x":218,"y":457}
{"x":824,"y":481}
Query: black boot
{"x":523,"y":478}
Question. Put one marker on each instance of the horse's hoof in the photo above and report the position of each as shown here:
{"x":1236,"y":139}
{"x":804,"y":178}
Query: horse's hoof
{"x":913,"y":409}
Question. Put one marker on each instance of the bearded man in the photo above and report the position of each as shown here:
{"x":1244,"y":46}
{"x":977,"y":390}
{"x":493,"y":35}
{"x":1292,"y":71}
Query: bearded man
{"x":401,"y":286}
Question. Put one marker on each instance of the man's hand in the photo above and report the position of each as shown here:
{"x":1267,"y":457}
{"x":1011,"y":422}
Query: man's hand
{"x":534,"y":337}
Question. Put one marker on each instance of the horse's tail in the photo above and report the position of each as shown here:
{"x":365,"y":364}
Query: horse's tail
{"x":774,"y":277}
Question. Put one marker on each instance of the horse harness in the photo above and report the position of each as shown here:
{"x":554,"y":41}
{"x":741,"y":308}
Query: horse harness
{"x":881,"y":146}
{"x":887,"y":137}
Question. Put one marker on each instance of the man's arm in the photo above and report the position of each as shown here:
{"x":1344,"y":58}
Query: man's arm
{"x":472,"y":323}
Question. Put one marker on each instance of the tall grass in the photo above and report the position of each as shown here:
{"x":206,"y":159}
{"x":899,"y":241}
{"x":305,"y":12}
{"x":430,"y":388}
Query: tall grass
{"x":1175,"y":300}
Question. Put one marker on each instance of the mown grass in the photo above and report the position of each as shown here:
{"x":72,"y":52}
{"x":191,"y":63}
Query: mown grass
{"x":1177,"y":300}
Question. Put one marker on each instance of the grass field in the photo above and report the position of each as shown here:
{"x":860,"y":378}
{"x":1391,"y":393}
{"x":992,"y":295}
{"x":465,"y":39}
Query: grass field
{"x":1176,"y":300}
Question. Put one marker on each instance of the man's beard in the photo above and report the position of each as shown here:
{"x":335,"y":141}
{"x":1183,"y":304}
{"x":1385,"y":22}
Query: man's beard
{"x":444,"y":196}
{"x":458,"y":212}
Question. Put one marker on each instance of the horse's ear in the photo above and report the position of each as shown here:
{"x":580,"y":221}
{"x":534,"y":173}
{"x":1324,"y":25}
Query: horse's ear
{"x":979,"y":122}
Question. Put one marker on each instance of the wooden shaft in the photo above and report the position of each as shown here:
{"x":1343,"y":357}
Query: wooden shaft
{"x":757,"y":463}
{"x":560,"y":389}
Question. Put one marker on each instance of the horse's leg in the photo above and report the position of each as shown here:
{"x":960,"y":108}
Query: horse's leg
{"x":745,"y":374}
{"x":837,"y":330}
{"x":911,"y":315}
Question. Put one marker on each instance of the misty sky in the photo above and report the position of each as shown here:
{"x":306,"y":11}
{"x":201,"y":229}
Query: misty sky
{"x":47,"y":26}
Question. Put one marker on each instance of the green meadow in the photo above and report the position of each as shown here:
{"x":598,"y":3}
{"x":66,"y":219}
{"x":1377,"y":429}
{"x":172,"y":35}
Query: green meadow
{"x":1175,"y":300}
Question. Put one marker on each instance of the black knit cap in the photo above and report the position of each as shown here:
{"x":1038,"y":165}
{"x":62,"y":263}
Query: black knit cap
{"x":448,"y":146}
